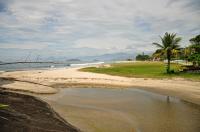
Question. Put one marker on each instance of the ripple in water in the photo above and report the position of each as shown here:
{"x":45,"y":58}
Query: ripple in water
{"x":113,"y":110}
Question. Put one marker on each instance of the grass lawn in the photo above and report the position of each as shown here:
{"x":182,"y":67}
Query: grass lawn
{"x":142,"y":70}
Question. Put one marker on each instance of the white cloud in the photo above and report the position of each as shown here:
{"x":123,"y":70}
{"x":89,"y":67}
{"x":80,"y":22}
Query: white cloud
{"x":103,"y":43}
{"x":105,"y":26}
{"x":34,"y":46}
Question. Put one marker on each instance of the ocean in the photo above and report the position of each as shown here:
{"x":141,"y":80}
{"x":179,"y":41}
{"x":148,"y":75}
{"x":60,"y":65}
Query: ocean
{"x":33,"y":66}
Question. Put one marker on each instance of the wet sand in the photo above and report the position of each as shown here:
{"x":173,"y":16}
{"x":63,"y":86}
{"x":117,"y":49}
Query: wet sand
{"x":25,"y":113}
{"x":47,"y":82}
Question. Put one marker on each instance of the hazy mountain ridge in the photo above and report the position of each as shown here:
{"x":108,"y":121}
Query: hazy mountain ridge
{"x":104,"y":57}
{"x":110,"y":57}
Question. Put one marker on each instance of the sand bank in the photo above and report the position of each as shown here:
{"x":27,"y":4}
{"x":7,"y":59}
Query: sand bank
{"x":47,"y":81}
{"x":29,"y":114}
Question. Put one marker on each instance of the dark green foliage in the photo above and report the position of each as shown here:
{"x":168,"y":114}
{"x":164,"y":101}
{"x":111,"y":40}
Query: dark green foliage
{"x":169,"y":45}
{"x":129,"y":59}
{"x":195,"y":51}
{"x":142,"y":57}
{"x":195,"y":58}
{"x":195,"y":40}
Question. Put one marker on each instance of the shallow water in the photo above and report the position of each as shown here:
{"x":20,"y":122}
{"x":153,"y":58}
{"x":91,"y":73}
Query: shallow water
{"x":124,"y":110}
{"x":29,"y":66}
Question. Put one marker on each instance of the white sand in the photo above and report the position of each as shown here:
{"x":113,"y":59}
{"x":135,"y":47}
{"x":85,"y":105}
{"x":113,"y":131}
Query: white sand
{"x":184,"y":89}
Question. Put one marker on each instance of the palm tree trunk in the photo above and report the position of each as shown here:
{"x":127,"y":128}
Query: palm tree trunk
{"x":168,"y":65}
{"x":168,"y":61}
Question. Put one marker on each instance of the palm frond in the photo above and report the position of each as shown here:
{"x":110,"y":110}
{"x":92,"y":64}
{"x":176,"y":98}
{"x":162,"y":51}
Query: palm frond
{"x":163,"y":41}
{"x":177,"y":40}
{"x":158,"y":45}
{"x":159,"y":53}
{"x":170,"y":43}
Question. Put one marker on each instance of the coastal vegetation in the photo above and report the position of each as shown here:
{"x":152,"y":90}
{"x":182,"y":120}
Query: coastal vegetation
{"x":168,"y":47}
{"x":190,"y":53}
{"x":193,"y":51}
{"x":142,"y":57}
{"x":143,"y":70}
{"x":154,"y":66}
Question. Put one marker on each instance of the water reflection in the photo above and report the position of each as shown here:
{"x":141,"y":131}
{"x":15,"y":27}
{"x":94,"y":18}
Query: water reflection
{"x":125,"y":110}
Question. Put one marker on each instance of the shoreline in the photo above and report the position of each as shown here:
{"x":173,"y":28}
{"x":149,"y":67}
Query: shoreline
{"x":48,"y":82}
{"x":28,"y":113}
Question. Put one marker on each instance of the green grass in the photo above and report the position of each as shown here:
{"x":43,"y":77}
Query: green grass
{"x":143,"y":70}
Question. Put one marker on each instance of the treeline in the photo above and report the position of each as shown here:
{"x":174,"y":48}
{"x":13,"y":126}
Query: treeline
{"x":170,"y":49}
{"x":190,"y":53}
{"x":143,"y":57}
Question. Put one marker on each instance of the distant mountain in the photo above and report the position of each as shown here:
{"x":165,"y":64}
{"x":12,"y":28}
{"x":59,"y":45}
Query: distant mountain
{"x":104,"y":57}
{"x":109,"y":57}
{"x":56,"y":59}
{"x":73,"y":60}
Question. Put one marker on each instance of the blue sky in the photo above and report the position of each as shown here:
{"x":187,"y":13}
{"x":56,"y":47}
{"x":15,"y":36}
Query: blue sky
{"x":73,"y":28}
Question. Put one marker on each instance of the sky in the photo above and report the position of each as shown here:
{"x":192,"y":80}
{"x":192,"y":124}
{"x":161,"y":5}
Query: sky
{"x":74,"y":28}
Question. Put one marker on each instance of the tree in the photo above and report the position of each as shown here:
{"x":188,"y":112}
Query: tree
{"x":158,"y":55}
{"x":195,"y":40}
{"x":170,"y":43}
{"x":186,"y":53}
{"x":142,"y":57}
{"x":195,"y":50}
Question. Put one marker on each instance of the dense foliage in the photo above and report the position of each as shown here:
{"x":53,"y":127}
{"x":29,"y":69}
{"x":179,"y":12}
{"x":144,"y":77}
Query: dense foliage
{"x":170,"y":49}
{"x":194,"y":55}
{"x":142,"y":57}
{"x":169,"y":46}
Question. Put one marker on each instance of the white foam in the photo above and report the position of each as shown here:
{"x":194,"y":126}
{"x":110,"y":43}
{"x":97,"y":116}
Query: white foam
{"x":87,"y":64}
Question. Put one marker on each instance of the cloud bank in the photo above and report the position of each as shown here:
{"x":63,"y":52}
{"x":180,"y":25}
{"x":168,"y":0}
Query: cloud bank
{"x":75,"y":28}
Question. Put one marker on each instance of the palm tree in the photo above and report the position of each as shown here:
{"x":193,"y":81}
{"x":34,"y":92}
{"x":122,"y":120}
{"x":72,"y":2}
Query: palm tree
{"x":170,"y":43}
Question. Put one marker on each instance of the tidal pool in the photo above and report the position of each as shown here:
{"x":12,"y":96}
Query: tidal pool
{"x":124,"y":110}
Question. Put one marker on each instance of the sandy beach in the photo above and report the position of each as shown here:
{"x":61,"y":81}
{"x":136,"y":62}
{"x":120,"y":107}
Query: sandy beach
{"x":48,"y":81}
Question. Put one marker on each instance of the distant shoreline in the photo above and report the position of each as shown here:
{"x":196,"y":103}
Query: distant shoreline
{"x":25,"y":66}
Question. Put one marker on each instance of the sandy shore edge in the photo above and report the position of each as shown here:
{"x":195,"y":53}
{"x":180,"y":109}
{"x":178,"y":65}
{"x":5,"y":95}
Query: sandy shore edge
{"x":28,"y":113}
{"x":48,"y":82}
